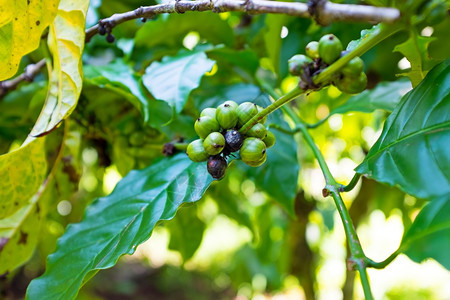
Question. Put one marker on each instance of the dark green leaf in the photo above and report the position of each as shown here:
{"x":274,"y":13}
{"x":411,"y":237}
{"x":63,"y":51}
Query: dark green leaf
{"x":173,"y":79}
{"x":412,"y":151}
{"x":385,"y":95}
{"x":119,"y":76}
{"x":116,"y":224}
{"x":429,"y":235}
{"x":186,"y":232}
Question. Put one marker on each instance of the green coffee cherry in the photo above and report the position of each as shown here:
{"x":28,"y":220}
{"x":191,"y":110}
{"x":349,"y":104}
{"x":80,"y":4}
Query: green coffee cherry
{"x":226,"y":115}
{"x":257,"y":163}
{"x":205,"y":125}
{"x":209,"y":111}
{"x":245,"y":112}
{"x":253,"y":150}
{"x":214,"y":143}
{"x":312,"y":50}
{"x":263,"y":120}
{"x":297,"y":63}
{"x":257,"y":131}
{"x":231,"y":103}
{"x":353,"y":68}
{"x":196,"y":151}
{"x":269,"y":140}
{"x":352,"y":85}
{"x":330,"y":48}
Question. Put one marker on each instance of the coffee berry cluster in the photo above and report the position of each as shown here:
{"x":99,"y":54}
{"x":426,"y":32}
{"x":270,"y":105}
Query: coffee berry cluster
{"x":218,"y":129}
{"x":351,"y":78}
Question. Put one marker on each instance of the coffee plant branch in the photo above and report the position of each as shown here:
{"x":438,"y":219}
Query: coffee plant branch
{"x":324,"y":12}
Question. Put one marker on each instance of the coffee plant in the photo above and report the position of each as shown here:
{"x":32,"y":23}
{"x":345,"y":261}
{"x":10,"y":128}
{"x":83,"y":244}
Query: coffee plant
{"x":234,"y":105}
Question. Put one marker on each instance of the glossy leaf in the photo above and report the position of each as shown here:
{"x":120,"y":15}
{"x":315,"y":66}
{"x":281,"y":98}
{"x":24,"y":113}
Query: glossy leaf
{"x":429,"y":235}
{"x":412,"y":151}
{"x":21,"y":25}
{"x":66,"y":43}
{"x":22,"y":172}
{"x":415,"y":49}
{"x":116,"y":224}
{"x":386,"y":96}
{"x":173,"y":79}
{"x":118,"y":75}
{"x":186,"y":232}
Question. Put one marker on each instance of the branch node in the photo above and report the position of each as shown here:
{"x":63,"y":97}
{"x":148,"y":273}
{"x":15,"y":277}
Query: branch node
{"x":139,"y":12}
{"x":177,"y":7}
{"x":314,"y":8}
{"x":248,"y":6}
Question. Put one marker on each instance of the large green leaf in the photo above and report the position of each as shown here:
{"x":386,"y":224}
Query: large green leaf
{"x":66,"y":42}
{"x":412,"y":151}
{"x":21,"y":25}
{"x":118,"y":75}
{"x":116,"y":224}
{"x":173,"y":79}
{"x":22,"y":172}
{"x":385,"y":95}
{"x":429,"y":235}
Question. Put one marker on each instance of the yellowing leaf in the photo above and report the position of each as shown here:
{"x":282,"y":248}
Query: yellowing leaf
{"x":21,"y":25}
{"x":22,"y":172}
{"x":66,"y":42}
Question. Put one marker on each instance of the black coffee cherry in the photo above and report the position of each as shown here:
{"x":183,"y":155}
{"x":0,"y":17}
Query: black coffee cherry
{"x":216,"y":165}
{"x":233,"y":140}
{"x":110,"y":38}
{"x":101,"y":30}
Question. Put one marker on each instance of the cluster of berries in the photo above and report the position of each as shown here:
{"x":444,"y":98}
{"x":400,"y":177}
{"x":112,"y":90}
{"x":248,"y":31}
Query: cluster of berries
{"x":351,"y":78}
{"x":218,"y":129}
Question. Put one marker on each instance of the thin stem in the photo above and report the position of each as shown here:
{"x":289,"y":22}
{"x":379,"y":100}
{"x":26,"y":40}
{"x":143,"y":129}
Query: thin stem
{"x":382,"y":264}
{"x":281,"y":101}
{"x":365,"y":282}
{"x":318,"y":123}
{"x":351,"y":185}
{"x":384,"y":31}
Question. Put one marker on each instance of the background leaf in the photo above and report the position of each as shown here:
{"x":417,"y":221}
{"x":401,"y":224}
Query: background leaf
{"x":116,"y":224}
{"x":386,"y":96}
{"x":66,"y":42}
{"x":21,"y":25}
{"x":173,"y":79}
{"x":429,"y":235}
{"x":412,"y":150}
{"x":118,"y":75}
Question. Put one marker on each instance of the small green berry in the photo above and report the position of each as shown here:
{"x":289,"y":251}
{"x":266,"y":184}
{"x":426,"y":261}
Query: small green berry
{"x":226,"y":115}
{"x":214,"y":143}
{"x":352,"y":85}
{"x":245,"y":112}
{"x":269,"y":140}
{"x":330,"y":48}
{"x":209,"y":111}
{"x":231,"y":103}
{"x":205,"y":125}
{"x":257,"y":131}
{"x":312,"y":50}
{"x":196,"y":151}
{"x":258,"y":162}
{"x":353,"y":67}
{"x":297,"y":63}
{"x":252,"y":150}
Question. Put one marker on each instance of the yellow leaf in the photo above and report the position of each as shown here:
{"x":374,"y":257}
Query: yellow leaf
{"x":21,"y":25}
{"x":66,"y":42}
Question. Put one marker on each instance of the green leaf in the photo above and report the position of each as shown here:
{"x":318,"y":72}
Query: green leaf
{"x":21,"y":26}
{"x":429,"y":235}
{"x":412,"y":151}
{"x":170,"y":31}
{"x":118,"y":75}
{"x":22,"y":172}
{"x":186,"y":232}
{"x":173,"y":79}
{"x":272,"y":38}
{"x":116,"y":224}
{"x":66,"y":43}
{"x":386,"y":96}
{"x":415,"y":49}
